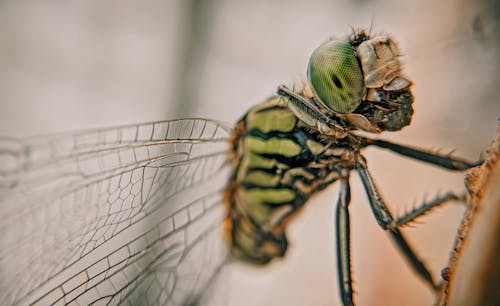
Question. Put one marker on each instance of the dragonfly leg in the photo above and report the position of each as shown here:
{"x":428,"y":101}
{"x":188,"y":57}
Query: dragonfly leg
{"x":343,"y":242}
{"x":425,"y":207}
{"x":442,"y":160}
{"x":386,"y":221}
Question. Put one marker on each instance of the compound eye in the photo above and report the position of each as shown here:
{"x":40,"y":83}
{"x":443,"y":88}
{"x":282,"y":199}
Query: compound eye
{"x":336,"y":76}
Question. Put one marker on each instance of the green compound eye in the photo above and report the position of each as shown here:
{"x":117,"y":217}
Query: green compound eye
{"x":336,"y":77}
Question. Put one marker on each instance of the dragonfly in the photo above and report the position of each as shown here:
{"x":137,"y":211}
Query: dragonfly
{"x":130,"y":214}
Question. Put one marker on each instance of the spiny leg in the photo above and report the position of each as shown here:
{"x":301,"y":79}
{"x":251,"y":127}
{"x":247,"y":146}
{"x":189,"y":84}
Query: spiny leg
{"x":442,"y":160}
{"x":344,"y":242}
{"x":386,"y":221}
{"x":425,"y":207}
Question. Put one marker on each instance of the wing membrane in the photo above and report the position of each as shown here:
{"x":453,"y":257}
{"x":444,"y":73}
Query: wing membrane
{"x":112,"y":215}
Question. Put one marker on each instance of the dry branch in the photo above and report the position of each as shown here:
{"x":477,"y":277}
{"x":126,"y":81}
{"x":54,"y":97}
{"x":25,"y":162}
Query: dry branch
{"x":473,"y":273}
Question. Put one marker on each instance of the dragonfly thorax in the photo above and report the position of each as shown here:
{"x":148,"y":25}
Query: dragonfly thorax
{"x":279,"y":163}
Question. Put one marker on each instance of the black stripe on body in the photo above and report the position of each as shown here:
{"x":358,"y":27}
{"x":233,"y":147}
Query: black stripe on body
{"x":258,"y":225}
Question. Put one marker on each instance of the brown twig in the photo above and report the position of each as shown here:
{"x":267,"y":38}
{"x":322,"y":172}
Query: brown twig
{"x":473,"y":273}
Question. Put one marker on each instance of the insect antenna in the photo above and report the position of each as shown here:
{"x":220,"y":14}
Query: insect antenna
{"x":371,"y":25}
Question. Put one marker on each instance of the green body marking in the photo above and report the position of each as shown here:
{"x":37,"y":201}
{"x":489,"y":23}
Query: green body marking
{"x":278,"y":171}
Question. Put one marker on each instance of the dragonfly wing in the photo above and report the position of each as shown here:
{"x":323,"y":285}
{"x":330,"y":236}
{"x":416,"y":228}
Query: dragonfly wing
{"x":128,"y":214}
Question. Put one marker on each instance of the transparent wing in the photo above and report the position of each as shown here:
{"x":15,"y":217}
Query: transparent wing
{"x":119,"y":215}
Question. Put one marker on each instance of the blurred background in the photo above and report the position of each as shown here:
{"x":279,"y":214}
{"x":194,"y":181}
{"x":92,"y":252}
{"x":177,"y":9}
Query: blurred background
{"x":70,"y":65}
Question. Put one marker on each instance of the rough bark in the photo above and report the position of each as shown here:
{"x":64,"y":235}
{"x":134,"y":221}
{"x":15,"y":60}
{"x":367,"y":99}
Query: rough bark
{"x":473,"y":273}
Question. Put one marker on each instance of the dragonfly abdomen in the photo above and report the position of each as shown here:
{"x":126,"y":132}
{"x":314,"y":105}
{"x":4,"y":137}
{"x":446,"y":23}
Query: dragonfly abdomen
{"x":279,"y":164}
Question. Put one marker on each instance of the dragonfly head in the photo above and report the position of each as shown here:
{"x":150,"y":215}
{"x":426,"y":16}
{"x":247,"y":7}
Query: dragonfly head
{"x":360,"y":80}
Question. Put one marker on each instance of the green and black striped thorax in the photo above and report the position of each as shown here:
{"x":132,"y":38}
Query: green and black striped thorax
{"x":286,"y":149}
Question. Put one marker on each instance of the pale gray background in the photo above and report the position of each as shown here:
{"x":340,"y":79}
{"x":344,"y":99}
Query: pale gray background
{"x":69,"y":65}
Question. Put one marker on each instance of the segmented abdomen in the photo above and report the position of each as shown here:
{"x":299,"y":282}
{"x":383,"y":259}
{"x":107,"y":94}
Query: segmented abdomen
{"x":279,"y":163}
